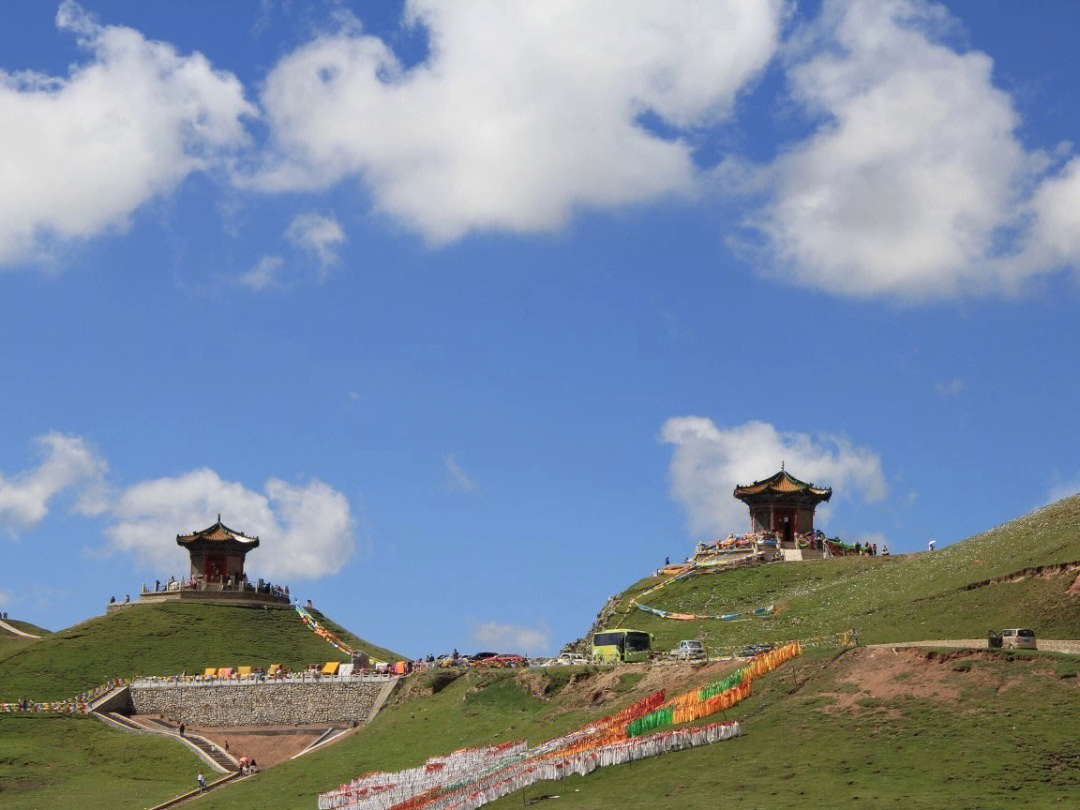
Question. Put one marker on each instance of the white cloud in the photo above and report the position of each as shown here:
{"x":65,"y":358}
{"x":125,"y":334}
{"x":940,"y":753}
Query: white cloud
{"x":1054,"y":240}
{"x":907,"y":185}
{"x":522,"y":112}
{"x":708,"y":462}
{"x":915,"y":184}
{"x":306,"y":531}
{"x":317,"y":234}
{"x":68,"y":464}
{"x":264,"y":275}
{"x":457,"y":478}
{"x":949,"y":388}
{"x":82,"y":152}
{"x":1063,"y":489}
{"x":513,"y":638}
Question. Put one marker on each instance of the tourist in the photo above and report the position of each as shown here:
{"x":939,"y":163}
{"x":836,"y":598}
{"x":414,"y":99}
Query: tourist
{"x":858,"y":549}
{"x":201,"y":780}
{"x":932,"y":544}
{"x":182,"y":729}
{"x":885,"y":550}
{"x":112,"y":600}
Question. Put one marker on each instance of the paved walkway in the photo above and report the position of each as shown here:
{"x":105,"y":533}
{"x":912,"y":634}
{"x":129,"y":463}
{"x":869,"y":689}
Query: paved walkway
{"x":12,"y":629}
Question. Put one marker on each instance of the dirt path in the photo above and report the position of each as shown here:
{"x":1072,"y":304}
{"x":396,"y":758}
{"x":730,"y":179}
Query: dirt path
{"x":1060,"y":645}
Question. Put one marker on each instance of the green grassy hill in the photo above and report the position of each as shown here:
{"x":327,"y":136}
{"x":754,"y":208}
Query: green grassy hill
{"x":78,"y":761}
{"x":918,"y":729}
{"x":164,"y":639}
{"x":909,"y":597}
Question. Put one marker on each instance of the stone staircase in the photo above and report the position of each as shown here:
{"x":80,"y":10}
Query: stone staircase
{"x":224,"y":762}
{"x":207,"y":751}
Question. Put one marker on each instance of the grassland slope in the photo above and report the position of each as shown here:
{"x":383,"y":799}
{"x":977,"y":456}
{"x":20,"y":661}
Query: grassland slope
{"x":1017,"y":574}
{"x":911,"y":728}
{"x":164,"y":639}
{"x":62,"y":761}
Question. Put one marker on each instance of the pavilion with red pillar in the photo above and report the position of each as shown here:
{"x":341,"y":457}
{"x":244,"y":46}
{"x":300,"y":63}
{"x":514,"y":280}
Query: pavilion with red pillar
{"x":783,"y":505}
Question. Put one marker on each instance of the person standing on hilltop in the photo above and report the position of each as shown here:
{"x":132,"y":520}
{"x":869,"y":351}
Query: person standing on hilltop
{"x":932,"y":544}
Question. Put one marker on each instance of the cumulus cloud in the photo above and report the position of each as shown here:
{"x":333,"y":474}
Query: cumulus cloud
{"x":513,"y":638}
{"x":68,"y":464}
{"x":82,"y":152}
{"x":915,"y":171}
{"x":915,"y":183}
{"x":521,"y":113}
{"x":317,"y":234}
{"x":306,"y":531}
{"x":1054,"y":240}
{"x":457,"y":478}
{"x":709,"y":461}
{"x":265,"y":275}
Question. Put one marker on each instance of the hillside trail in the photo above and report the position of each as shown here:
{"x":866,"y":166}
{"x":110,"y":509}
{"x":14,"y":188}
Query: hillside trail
{"x":1058,"y":645}
{"x":15,"y":630}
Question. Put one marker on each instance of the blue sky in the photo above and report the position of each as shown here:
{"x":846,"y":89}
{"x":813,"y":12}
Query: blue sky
{"x":477,"y":312}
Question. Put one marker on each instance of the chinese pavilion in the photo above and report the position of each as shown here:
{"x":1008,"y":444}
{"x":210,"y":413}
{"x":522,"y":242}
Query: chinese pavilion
{"x":782,"y":504}
{"x":217,"y":553}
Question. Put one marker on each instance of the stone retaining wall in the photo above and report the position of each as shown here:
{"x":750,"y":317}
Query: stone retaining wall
{"x":264,"y":704}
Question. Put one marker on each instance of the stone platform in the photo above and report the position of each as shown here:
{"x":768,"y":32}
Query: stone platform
{"x":206,"y":597}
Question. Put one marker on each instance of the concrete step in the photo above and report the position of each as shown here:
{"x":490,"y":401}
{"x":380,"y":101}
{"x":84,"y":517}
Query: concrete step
{"x":126,"y":722}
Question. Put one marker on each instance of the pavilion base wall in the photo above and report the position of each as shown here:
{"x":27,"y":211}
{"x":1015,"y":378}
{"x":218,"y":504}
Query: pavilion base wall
{"x":265,"y":704}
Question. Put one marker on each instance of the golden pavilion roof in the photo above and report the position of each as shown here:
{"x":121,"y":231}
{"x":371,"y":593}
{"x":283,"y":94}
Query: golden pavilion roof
{"x":780,"y":484}
{"x":218,"y":533}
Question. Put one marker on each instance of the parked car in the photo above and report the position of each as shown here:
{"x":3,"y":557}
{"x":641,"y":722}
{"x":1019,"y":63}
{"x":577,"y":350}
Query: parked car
{"x":570,"y":659}
{"x":689,"y":650}
{"x":1018,"y":638}
{"x":751,"y":650}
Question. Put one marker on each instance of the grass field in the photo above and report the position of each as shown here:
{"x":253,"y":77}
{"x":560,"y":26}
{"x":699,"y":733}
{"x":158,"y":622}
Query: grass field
{"x":475,"y":709}
{"x":909,"y":597}
{"x":915,"y":729}
{"x":161,"y":640}
{"x":911,"y":731}
{"x":78,"y":762}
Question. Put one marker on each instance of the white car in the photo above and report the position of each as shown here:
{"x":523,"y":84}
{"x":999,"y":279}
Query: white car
{"x":1018,"y":638}
{"x":569,"y":660}
{"x":689,"y":650}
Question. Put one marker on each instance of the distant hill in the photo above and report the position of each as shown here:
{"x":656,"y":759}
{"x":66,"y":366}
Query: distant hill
{"x":1017,"y":574}
{"x":161,"y":640}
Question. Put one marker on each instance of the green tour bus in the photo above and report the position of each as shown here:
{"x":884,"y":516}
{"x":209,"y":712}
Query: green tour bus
{"x":609,"y":646}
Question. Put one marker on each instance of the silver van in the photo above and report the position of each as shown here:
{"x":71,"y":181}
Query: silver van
{"x":1018,"y":638}
{"x":689,"y":650}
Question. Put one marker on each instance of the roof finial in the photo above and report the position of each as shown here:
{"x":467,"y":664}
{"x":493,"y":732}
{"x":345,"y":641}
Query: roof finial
{"x":219,"y":517}
{"x":781,"y":470}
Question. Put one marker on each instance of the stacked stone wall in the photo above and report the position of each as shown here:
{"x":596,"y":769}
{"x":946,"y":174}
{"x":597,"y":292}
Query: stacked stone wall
{"x":265,"y":704}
